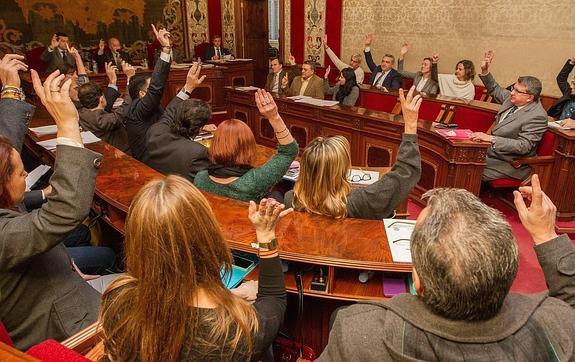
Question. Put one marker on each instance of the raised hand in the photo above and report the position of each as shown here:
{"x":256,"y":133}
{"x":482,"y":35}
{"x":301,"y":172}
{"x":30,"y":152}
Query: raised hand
{"x":266,"y":216}
{"x":487,"y":59}
{"x":325,"y":40}
{"x":56,"y":98}
{"x":404,"y":49}
{"x":435,"y":58}
{"x":368,"y":39}
{"x":111,"y":72}
{"x":73,"y":52}
{"x":266,"y":104}
{"x":193,"y":79}
{"x":539,"y":217}
{"x":54,"y":41}
{"x":128,"y":69}
{"x":285,"y":81}
{"x":162,"y":35}
{"x":327,"y":70}
{"x":291,"y":59}
{"x":410,"y":109}
{"x":572,"y":61}
{"x":10,"y":65}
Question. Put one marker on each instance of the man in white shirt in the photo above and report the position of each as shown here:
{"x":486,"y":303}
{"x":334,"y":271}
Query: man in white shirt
{"x":274,"y":79}
{"x":354,"y":62}
{"x":382,"y":76}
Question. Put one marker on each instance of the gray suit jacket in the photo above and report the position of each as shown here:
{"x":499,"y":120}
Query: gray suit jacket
{"x":54,"y":59}
{"x":515,"y":137}
{"x":41,"y":296}
{"x":430,"y":87}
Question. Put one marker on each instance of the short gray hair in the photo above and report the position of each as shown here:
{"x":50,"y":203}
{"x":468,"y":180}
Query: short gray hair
{"x":533,"y":85}
{"x":465,"y":256}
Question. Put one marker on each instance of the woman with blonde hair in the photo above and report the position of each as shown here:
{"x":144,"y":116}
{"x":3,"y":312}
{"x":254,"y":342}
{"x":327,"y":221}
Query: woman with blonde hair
{"x":233,"y":152}
{"x":323,"y":186}
{"x":172,"y":305}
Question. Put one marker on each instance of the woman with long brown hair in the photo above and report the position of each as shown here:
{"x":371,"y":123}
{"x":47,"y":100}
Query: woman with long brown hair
{"x":323,"y":187}
{"x":233,"y":152}
{"x":172,"y":305}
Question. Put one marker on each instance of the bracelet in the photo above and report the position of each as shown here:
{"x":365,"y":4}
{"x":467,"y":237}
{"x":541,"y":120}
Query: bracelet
{"x":285,"y":129}
{"x":281,"y":138}
{"x":10,"y":96}
{"x":166,"y":46}
{"x":13,"y":93}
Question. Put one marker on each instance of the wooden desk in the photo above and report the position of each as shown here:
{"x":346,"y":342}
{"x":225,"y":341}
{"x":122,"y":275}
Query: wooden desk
{"x":561,"y":188}
{"x":374,"y":138}
{"x":238,"y":73}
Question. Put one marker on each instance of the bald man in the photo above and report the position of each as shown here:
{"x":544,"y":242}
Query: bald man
{"x":112,"y":53}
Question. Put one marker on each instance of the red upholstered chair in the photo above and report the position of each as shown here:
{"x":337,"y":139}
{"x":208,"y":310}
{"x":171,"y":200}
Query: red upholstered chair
{"x":200,"y":49}
{"x":541,"y":164}
{"x":34,"y":61}
{"x":4,"y":336}
{"x":475,"y":119}
{"x":52,"y":351}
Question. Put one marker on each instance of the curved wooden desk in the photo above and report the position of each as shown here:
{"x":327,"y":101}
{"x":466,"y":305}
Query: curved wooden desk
{"x":374,"y":137}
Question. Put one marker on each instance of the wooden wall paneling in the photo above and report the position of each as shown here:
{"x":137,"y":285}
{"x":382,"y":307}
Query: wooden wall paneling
{"x":252,"y":36}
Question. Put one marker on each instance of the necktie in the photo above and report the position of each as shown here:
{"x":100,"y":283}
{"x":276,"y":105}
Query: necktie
{"x":381,"y":75}
{"x":511,"y":111}
{"x":275,"y":87}
{"x":218,"y":53}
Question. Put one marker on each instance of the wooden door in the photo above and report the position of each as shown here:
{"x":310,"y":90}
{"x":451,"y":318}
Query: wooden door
{"x":253,"y":36}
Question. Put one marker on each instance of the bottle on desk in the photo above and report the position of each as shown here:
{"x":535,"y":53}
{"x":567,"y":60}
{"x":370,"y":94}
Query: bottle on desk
{"x":94,"y":66}
{"x":145,"y":63}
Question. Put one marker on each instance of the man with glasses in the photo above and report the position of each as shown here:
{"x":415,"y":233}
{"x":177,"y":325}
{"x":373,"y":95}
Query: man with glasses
{"x":306,"y":84}
{"x":518,"y":128}
{"x":564,"y":109}
{"x":354,"y":62}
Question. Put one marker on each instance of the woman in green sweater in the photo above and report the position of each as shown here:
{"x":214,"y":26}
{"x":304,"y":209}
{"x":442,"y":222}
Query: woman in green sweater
{"x":233,"y":153}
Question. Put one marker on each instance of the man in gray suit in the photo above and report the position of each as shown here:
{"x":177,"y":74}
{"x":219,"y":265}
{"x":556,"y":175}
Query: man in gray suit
{"x":41,"y":295}
{"x":57,"y":54}
{"x":519,"y":125}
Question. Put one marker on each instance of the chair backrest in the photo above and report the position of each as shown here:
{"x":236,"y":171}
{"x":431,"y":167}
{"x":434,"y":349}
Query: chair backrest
{"x":34,"y":61}
{"x":4,"y":336}
{"x":546,"y":145}
{"x":200,"y":49}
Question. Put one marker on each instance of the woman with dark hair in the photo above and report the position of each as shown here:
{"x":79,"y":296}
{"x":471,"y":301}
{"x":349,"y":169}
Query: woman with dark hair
{"x":323,"y":186}
{"x":171,"y":304}
{"x":459,"y":84}
{"x":233,"y":151}
{"x":346,"y":90}
{"x":423,"y":79}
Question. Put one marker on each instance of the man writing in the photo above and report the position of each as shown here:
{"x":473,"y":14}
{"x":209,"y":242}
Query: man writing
{"x":519,"y":125}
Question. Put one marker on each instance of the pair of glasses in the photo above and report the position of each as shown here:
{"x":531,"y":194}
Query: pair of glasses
{"x":518,"y":91}
{"x":358,"y":178}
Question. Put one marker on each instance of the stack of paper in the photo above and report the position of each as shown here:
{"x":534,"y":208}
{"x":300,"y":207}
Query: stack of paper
{"x":87,"y":138}
{"x":317,"y":102}
{"x":35,"y":174}
{"x":248,"y":88}
{"x":557,"y":124}
{"x":399,"y":238}
{"x":41,"y":131}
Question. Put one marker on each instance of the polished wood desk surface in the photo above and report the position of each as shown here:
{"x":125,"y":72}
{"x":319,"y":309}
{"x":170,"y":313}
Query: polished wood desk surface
{"x":348,"y":243}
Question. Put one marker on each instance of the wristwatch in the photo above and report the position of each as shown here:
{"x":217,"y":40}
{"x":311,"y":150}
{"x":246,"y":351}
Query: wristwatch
{"x":267,"y":246}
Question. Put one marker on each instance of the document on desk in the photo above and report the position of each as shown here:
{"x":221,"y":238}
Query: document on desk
{"x":42,"y":131}
{"x":35,"y":174}
{"x":557,"y":124}
{"x":399,"y":238}
{"x":248,"y":88}
{"x":317,"y":102}
{"x":87,"y":138}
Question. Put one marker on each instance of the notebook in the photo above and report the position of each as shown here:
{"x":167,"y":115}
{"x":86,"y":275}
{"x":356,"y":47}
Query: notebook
{"x":455,"y":134}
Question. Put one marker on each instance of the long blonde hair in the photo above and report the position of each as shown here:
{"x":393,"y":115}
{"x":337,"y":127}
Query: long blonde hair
{"x":173,"y":247}
{"x":322,"y":186}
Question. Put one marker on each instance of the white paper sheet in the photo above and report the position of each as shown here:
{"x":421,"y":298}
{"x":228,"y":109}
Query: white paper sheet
{"x":35,"y":174}
{"x":248,"y":88}
{"x":317,"y":102}
{"x":557,"y":124}
{"x":399,"y":238}
{"x":41,"y":131}
{"x":87,"y":138}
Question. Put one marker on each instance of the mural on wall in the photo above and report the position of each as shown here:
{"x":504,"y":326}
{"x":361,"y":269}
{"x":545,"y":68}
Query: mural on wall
{"x":314,"y":30}
{"x":197,"y":22}
{"x":228,"y":25}
{"x":27,"y":24}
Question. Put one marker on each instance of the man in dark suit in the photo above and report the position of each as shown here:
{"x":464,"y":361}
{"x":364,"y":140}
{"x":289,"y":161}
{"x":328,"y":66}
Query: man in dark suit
{"x":519,"y":124}
{"x":382,"y":76}
{"x":274,"y":79}
{"x":112,"y":54}
{"x":146,"y":93}
{"x":57,"y":54}
{"x":42,"y":296}
{"x":216,"y":51}
{"x":170,"y":146}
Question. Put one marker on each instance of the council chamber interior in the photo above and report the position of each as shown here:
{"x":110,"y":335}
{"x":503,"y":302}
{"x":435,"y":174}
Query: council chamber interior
{"x":357,"y":114}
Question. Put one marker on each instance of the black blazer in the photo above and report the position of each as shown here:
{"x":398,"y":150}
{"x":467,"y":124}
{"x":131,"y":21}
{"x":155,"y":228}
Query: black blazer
{"x":107,"y":57}
{"x":557,"y":108}
{"x":211,"y":51}
{"x":393,"y":79}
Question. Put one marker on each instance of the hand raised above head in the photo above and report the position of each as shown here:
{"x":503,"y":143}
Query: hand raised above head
{"x":325,"y":40}
{"x":111,"y":72}
{"x":368,"y":39}
{"x":10,"y":65}
{"x":486,"y":62}
{"x":54,"y":41}
{"x":291,"y":59}
{"x":435,"y":58}
{"x":55,"y":96}
{"x":404,"y":49}
{"x":162,"y":35}
{"x":128,"y":69}
{"x":539,"y":217}
{"x":266,"y":216}
{"x":327,"y":71}
{"x":410,"y":109}
{"x":193,"y":79}
{"x":73,"y":51}
{"x":266,"y":104}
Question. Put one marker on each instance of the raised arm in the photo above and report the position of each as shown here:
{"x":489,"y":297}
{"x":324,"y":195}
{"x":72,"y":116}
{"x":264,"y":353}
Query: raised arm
{"x":367,"y":52}
{"x":380,"y":199}
{"x":15,"y":114}
{"x":555,"y":254}
{"x":24,"y":236}
{"x":79,"y":63}
{"x":563,"y":75}
{"x":271,"y":302}
{"x":334,"y":58}
{"x":193,"y":80}
{"x":498,"y":93}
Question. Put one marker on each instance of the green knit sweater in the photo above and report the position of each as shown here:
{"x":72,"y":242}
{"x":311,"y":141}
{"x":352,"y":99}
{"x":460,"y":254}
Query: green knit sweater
{"x":254,"y":184}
